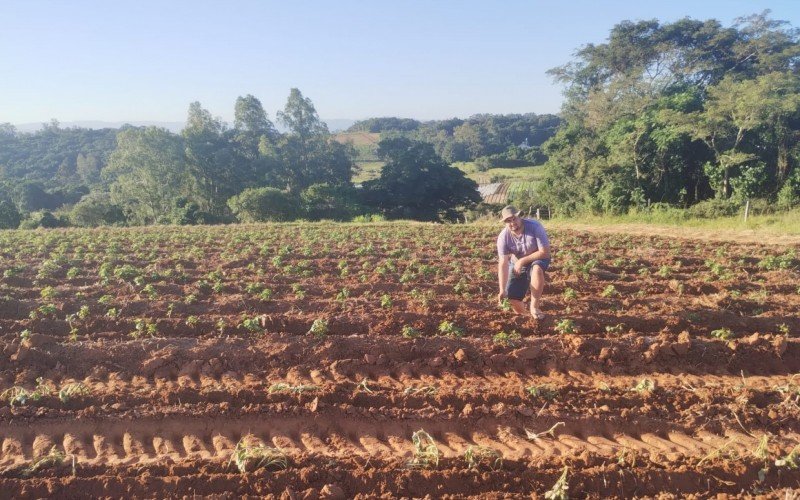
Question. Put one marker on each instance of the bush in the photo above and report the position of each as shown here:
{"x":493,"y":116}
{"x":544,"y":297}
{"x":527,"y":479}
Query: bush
{"x":96,"y":210}
{"x":369,"y":218}
{"x":713,"y":208}
{"x":264,"y":204}
{"x":43,"y":219}
{"x":9,"y":215}
{"x":323,"y":201}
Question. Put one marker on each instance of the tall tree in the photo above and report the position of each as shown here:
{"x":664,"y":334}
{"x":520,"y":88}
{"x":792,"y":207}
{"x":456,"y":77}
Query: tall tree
{"x":417,"y":183}
{"x":148,"y":174}
{"x":307,"y":154}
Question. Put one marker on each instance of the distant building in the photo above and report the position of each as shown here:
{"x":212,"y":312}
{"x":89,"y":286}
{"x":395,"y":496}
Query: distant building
{"x":524,"y":144}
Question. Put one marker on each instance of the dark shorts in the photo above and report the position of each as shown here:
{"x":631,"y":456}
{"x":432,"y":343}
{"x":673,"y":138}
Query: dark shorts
{"x":518,"y":284}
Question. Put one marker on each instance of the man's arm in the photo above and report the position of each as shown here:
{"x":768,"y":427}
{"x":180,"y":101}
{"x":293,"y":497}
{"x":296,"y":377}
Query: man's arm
{"x":502,"y":276}
{"x":542,"y":253}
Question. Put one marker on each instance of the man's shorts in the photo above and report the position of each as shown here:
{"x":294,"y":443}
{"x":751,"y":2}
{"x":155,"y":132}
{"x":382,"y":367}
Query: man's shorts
{"x":518,"y":284}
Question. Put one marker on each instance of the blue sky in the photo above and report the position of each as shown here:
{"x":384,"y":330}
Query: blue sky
{"x":147,"y":60}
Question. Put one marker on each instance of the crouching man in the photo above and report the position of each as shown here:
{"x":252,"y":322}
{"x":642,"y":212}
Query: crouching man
{"x":523,"y":252}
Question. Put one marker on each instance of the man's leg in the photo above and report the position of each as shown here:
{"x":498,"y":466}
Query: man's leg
{"x":537,"y":287}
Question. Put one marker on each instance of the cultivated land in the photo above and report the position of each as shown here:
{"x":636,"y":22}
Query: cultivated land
{"x":135,"y":362}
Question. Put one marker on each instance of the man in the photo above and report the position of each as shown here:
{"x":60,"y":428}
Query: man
{"x":523,"y":252}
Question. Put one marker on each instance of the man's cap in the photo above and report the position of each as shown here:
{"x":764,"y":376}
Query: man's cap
{"x":508,"y":211}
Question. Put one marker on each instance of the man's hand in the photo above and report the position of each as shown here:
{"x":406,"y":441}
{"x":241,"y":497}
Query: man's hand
{"x":518,"y":266}
{"x":500,"y":297}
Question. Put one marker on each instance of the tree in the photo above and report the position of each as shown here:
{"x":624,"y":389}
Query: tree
{"x":96,"y":209}
{"x":323,"y":201}
{"x":209,"y":158}
{"x":307,"y":154}
{"x":147,"y":173}
{"x":9,"y":215}
{"x":263,"y":204}
{"x":416,"y":183}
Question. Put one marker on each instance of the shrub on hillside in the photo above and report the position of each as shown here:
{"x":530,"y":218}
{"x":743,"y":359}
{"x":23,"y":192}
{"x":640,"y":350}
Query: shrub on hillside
{"x":96,"y":209}
{"x":264,"y":204}
{"x":9,"y":215}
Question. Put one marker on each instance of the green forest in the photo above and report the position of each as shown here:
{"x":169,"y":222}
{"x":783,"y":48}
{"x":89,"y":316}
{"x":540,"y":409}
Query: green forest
{"x":689,"y":115}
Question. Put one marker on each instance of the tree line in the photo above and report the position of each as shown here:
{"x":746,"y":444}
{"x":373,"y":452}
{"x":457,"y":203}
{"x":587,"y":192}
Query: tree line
{"x":492,"y":140}
{"x":678,"y":114}
{"x":212,"y":173}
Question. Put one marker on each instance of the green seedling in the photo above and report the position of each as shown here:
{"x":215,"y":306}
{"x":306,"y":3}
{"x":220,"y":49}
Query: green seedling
{"x":363,"y":386}
{"x":723,"y":334}
{"x":483,"y":457}
{"x":791,"y":460}
{"x":506,"y":339}
{"x":449,"y":329}
{"x":426,"y":453}
{"x":560,"y":490}
{"x":410,"y":332}
{"x":319,"y":328}
{"x":645,"y":385}
{"x":296,"y":389}
{"x":565,"y":326}
{"x":73,"y":390}
{"x":249,"y":456}
{"x":424,"y":390}
{"x":545,"y":392}
{"x":53,"y":458}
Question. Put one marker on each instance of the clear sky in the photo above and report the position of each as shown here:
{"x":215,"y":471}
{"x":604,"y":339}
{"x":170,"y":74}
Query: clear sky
{"x":426,"y":59}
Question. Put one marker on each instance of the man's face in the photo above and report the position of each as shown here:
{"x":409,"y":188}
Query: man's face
{"x":514,"y":223}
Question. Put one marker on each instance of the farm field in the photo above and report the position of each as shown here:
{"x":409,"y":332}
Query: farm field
{"x":340,"y":360}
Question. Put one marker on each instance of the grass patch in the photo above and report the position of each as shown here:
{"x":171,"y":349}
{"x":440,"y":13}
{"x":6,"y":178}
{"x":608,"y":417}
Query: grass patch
{"x":786,"y":223}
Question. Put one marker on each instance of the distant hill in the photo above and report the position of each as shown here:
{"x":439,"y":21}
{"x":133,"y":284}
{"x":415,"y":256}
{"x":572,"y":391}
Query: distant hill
{"x":334,"y":125}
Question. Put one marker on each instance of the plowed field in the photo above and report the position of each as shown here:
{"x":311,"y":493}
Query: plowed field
{"x":136,"y":362}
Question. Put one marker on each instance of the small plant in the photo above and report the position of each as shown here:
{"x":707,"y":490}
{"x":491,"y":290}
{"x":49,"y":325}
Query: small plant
{"x":106,"y":300}
{"x":410,"y":332}
{"x":626,"y":458}
{"x":783,"y":329}
{"x":296,"y":389}
{"x":560,"y":490}
{"x":192,"y":321}
{"x":545,"y":392}
{"x":53,"y":458}
{"x":150,"y":291}
{"x":424,"y":390}
{"x":618,"y":328}
{"x":73,"y":390}
{"x":363,"y":386}
{"x":48,"y":293}
{"x":83,"y":312}
{"x":506,"y":339}
{"x":645,"y":385}
{"x":724,"y":333}
{"x":386,"y":301}
{"x":449,"y":329}
{"x":565,"y":326}
{"x":144,"y":328}
{"x":535,"y":436}
{"x":250,"y":324}
{"x":791,"y":460}
{"x":426,"y":453}
{"x":248,"y":456}
{"x":569,"y":294}
{"x":505,"y":305}
{"x":609,"y":291}
{"x":319,"y":328}
{"x":483,"y":456}
{"x":16,"y":396}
